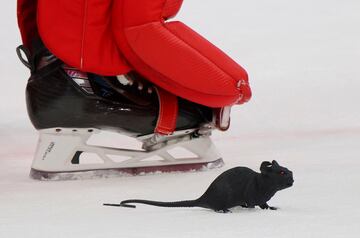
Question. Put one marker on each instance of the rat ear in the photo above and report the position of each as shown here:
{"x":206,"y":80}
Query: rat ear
{"x":265,"y":167}
{"x":274,"y":163}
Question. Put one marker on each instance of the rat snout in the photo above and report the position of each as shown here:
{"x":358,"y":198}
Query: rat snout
{"x":290,"y":181}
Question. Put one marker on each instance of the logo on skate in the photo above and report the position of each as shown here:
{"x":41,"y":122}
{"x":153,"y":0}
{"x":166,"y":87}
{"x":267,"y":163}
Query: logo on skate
{"x":48,"y":150}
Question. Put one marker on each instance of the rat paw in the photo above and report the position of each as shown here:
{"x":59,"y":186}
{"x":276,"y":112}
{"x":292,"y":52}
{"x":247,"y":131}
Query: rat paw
{"x":223,"y":211}
{"x":266,"y":206}
{"x":248,"y":206}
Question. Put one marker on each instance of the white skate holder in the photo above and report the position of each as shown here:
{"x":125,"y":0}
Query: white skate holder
{"x":58,"y":152}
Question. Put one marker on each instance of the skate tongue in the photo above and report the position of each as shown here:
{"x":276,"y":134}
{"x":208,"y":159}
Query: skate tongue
{"x":119,"y":205}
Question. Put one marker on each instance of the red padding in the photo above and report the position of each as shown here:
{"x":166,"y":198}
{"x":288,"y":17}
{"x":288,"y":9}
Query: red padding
{"x":171,"y":8}
{"x":79,"y":33}
{"x":181,"y":61}
{"x":26,"y":14}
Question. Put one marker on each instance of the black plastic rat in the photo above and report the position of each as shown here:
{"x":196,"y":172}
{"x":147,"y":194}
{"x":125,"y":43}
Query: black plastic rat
{"x":238,"y":186}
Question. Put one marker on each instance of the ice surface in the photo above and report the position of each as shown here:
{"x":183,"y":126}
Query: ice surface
{"x":303,"y":60}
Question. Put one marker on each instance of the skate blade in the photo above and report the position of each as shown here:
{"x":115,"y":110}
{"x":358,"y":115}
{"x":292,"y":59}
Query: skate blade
{"x":59,"y":156}
{"x":123,"y":172}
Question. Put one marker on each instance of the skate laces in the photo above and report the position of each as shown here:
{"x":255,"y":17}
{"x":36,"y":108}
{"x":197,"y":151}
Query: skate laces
{"x":135,"y":81}
{"x":110,"y":88}
{"x":22,"y":51}
{"x":39,"y":58}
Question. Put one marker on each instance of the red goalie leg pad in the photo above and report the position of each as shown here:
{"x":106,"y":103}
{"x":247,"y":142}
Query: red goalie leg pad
{"x":79,"y":33}
{"x":176,"y":58}
{"x":168,"y":112}
{"x":171,"y":8}
{"x":26,"y":14}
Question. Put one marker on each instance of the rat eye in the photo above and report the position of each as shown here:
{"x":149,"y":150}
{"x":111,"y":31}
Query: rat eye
{"x":282,"y":172}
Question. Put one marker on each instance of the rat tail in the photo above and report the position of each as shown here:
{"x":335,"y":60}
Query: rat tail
{"x":128,"y":203}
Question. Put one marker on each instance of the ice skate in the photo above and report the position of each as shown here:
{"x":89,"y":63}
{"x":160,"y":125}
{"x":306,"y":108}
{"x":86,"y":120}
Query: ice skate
{"x":131,"y":86}
{"x":68,"y":106}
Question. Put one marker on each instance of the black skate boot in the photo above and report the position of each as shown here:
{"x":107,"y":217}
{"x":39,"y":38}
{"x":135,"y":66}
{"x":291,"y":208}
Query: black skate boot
{"x":68,"y":106}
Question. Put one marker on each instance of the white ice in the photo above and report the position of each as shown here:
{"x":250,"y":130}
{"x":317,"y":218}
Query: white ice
{"x":303,"y":58}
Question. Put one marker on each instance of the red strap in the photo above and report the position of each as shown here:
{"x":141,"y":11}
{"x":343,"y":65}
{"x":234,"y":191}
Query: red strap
{"x":168,"y":112}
